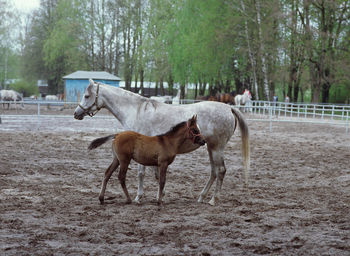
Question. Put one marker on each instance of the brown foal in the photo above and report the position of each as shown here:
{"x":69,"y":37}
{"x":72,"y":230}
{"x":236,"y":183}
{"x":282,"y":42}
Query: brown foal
{"x":158,"y":151}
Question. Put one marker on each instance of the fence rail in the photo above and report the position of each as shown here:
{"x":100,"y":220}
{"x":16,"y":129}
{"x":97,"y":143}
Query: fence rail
{"x":299,"y":113}
{"x":258,"y":111}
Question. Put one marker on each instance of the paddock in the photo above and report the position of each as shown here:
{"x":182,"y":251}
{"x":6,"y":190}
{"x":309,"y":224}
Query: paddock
{"x":297,"y":203}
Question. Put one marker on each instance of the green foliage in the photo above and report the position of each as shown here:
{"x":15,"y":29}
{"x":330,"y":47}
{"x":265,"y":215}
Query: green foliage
{"x":63,"y":43}
{"x":340,"y":94}
{"x":220,"y":43}
{"x":26,"y":88}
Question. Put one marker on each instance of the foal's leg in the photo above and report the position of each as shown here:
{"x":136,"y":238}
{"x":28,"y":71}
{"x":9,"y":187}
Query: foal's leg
{"x":122,"y":177}
{"x":162,"y":179}
{"x":113,"y":166}
{"x":141,"y":176}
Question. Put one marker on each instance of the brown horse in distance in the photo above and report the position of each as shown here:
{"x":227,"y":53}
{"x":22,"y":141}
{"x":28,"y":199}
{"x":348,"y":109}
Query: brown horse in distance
{"x":158,"y":151}
{"x":227,"y":98}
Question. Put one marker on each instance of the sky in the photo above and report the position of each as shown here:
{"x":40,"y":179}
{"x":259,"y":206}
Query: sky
{"x":26,"y":5}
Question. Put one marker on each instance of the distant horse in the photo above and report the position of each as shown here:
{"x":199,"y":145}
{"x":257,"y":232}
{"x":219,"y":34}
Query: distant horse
{"x":227,"y":98}
{"x":11,"y":95}
{"x":176,"y":99}
{"x":157,"y":151}
{"x":51,"y":97}
{"x":243,"y":99}
{"x":164,"y":99}
{"x":217,"y":121}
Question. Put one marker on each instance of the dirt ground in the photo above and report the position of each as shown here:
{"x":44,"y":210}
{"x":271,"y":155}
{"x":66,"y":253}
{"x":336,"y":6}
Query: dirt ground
{"x":297,"y":202}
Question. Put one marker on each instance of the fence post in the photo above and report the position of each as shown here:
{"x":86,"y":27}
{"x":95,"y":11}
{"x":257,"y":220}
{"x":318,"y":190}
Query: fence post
{"x":38,"y":115}
{"x":314,"y":111}
{"x":270,"y":108}
{"x":347,"y":122}
{"x":322,"y":115}
{"x":279,"y":108}
{"x":305,"y":111}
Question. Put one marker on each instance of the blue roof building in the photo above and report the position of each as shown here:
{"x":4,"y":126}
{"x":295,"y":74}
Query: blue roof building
{"x":76,"y":83}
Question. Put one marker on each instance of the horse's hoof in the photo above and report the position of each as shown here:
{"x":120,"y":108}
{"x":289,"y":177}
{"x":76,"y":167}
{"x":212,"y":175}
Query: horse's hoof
{"x":200,"y":199}
{"x":128,"y":201}
{"x":138,"y":199}
{"x":212,"y":202}
{"x":102,"y":201}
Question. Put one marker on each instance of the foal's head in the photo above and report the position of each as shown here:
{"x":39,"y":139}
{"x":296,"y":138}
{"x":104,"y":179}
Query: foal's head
{"x":194,"y":133}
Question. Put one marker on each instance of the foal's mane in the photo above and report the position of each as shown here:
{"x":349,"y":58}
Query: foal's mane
{"x":174,"y":129}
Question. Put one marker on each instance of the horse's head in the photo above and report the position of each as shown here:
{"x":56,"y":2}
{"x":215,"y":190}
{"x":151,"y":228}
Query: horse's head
{"x":247,"y":94}
{"x":194,"y":132}
{"x":90,"y":103}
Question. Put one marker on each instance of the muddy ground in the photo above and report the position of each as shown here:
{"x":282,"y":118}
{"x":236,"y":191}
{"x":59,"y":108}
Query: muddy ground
{"x":297,"y":202}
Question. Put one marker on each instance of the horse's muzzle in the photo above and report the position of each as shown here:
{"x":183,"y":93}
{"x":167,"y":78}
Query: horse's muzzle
{"x":79,"y":116}
{"x":79,"y":113}
{"x":199,"y":140}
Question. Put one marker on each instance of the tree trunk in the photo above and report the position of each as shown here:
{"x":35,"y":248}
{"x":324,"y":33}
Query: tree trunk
{"x":262,"y":52}
{"x":141,"y":82}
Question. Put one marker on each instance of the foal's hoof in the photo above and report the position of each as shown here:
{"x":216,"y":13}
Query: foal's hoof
{"x":102,"y":200}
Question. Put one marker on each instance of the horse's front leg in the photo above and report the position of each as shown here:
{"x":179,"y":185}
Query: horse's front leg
{"x":162,"y":179}
{"x":141,"y":176}
{"x":113,"y":166}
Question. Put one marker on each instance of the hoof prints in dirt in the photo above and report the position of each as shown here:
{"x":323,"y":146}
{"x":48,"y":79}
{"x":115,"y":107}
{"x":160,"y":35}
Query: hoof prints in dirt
{"x":297,"y":202}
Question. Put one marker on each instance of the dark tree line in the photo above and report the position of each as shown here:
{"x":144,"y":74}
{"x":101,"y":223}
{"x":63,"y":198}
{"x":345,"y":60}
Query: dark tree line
{"x":298,"y":48}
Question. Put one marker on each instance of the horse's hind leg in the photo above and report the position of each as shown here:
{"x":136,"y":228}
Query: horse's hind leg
{"x":218,"y":171}
{"x":122,"y":178}
{"x":211,"y":179}
{"x":220,"y":174}
{"x":112,"y":167}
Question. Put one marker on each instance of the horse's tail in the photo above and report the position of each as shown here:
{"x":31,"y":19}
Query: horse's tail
{"x":245,"y":141}
{"x":98,"y":142}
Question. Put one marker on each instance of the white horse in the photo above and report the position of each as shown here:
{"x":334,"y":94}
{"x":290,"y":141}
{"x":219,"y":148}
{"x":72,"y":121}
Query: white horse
{"x":217,"y":122}
{"x":164,"y":99}
{"x":243,"y":99}
{"x":176,"y":99}
{"x":51,"y":97}
{"x":11,"y":95}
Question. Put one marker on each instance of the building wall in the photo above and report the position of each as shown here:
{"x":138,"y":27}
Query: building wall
{"x":75,"y":88}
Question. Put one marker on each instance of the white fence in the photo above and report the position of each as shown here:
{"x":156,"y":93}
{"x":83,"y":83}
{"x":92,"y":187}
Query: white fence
{"x":257,"y":111}
{"x":299,"y":112}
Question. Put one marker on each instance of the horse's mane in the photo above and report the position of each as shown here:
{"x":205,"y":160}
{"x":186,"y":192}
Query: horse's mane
{"x":174,"y":129}
{"x":124,"y":91}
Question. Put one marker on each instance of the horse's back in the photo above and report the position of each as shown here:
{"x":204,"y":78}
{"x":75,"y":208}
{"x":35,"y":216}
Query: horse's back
{"x":132,"y":145}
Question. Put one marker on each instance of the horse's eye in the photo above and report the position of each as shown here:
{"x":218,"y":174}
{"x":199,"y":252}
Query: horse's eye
{"x":195,"y":131}
{"x":87,"y":96}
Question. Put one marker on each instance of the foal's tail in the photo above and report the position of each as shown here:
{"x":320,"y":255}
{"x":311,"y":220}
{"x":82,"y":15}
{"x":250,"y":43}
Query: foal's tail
{"x":98,"y":142}
{"x":245,"y":141}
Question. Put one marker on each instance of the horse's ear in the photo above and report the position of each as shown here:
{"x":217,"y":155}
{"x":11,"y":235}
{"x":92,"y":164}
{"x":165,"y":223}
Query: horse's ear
{"x":90,"y":86}
{"x":193,"y":120}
